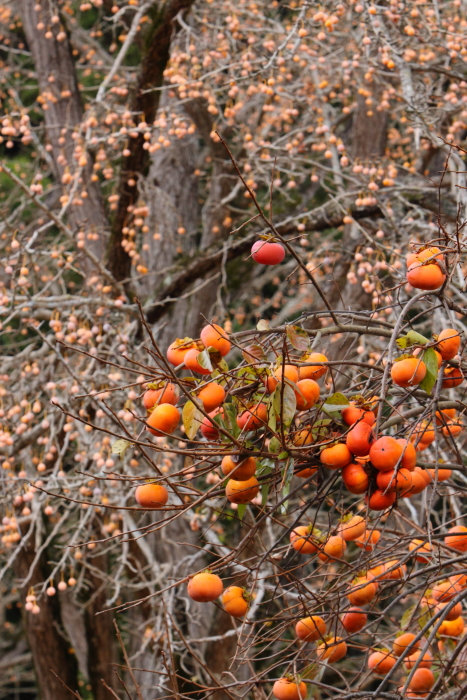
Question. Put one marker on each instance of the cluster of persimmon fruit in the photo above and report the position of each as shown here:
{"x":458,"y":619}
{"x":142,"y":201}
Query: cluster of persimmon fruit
{"x":381,"y":468}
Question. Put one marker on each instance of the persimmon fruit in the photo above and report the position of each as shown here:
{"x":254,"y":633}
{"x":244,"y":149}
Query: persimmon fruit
{"x":266,"y":253}
{"x":214,"y":336}
{"x":164,"y":419}
{"x":205,"y":587}
{"x":151,"y":496}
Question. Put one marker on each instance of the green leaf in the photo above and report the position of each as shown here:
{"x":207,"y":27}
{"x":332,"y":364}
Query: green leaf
{"x":230,"y":419}
{"x":283,"y":455}
{"x":241,"y":510}
{"x":192,"y":419}
{"x":288,"y":474}
{"x":431,"y":361}
{"x":119,"y":447}
{"x":274,"y":445}
{"x":407,"y":617}
{"x":424,"y":616}
{"x":204,"y":359}
{"x":263,"y":325}
{"x":289,"y":405}
{"x":265,"y":493}
{"x":223,"y":366}
{"x":298,"y":338}
{"x":403,"y":343}
{"x":417,"y":339}
{"x":335,"y":404}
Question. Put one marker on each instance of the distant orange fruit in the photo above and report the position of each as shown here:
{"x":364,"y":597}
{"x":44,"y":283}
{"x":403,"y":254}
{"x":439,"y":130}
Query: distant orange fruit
{"x":313,"y":371}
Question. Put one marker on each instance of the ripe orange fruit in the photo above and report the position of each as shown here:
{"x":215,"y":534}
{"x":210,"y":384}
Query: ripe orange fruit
{"x":241,"y":470}
{"x":449,"y":342}
{"x":355,"y":478}
{"x":381,"y":662}
{"x":234,"y":602}
{"x":396,"y":572}
{"x":307,"y":394}
{"x":179,"y":348}
{"x":385,"y":453}
{"x":443,"y":591}
{"x":409,"y":454}
{"x":361,"y":594}
{"x":424,"y":254}
{"x":405,"y":641}
{"x":309,"y":629}
{"x":352,"y":528}
{"x":214,"y":336}
{"x":303,"y":437}
{"x":459,"y":581}
{"x":379,"y":500}
{"x":454,"y":613}
{"x":254,"y":418}
{"x":304,"y":539}
{"x":425,"y":276}
{"x":212,"y":396}
{"x":423,"y":552}
{"x":205,"y":587}
{"x":166,"y":394}
{"x":334,"y":548}
{"x":426,"y":662}
{"x":151,"y":496}
{"x":191,"y":362}
{"x":286,"y":689}
{"x":408,"y":371}
{"x":209,"y":429}
{"x":289,"y":372}
{"x":451,"y":628}
{"x":164,"y":419}
{"x":452,"y":377}
{"x":333,"y":650}
{"x":446,"y":415}
{"x":359,"y":439}
{"x":354,"y":620}
{"x":422,"y":680}
{"x":306,"y":472}
{"x":242,"y":491}
{"x":452,"y":428}
{"x":316,"y":371}
{"x":352,"y":414}
{"x":457,"y":538}
{"x":336,"y":456}
{"x":368,"y":540}
{"x":419,"y":483}
{"x":400,"y":482}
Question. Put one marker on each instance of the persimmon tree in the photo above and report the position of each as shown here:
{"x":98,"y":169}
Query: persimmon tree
{"x":233,"y":301}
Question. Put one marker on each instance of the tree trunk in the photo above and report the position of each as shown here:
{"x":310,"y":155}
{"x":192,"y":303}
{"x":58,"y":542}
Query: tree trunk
{"x":50,"y":651}
{"x":63,"y":112}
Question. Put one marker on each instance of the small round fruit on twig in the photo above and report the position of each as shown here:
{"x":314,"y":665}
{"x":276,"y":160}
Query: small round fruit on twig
{"x":151,"y":496}
{"x":267,"y":253}
{"x":205,"y":587}
{"x":242,"y":491}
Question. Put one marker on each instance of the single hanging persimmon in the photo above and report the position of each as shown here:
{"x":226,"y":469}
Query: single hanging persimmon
{"x":164,"y":419}
{"x":385,"y":453}
{"x":168,"y":393}
{"x":449,"y":342}
{"x":309,"y":629}
{"x":211,"y":396}
{"x":352,"y":414}
{"x":313,"y":371}
{"x":355,"y":478}
{"x":205,"y":587}
{"x":242,"y":491}
{"x":267,"y":253}
{"x":408,"y":371}
{"x":179,"y":348}
{"x":214,"y":336}
{"x":305,"y":539}
{"x":191,"y":363}
{"x":424,"y":254}
{"x":235,"y":601}
{"x":288,"y":689}
{"x":240,"y":470}
{"x":425,"y":276}
{"x":254,"y":418}
{"x":307,"y":394}
{"x":352,"y":528}
{"x":151,"y":496}
{"x":336,"y":456}
{"x":359,"y":439}
{"x":354,"y":620}
{"x":381,"y":662}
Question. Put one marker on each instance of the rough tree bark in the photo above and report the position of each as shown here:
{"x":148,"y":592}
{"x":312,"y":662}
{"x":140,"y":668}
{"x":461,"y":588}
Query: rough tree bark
{"x":50,"y":650}
{"x":145,"y":102}
{"x":63,"y":112}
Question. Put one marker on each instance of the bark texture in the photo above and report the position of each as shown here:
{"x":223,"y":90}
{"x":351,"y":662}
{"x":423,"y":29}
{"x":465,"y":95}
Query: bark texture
{"x":63,"y":112}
